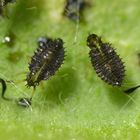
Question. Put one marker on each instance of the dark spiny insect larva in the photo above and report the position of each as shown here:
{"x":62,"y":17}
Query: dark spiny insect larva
{"x":107,"y":64}
{"x":46,"y":61}
{"x":74,"y":8}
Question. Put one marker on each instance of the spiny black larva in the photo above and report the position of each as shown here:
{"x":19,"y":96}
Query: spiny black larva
{"x":46,"y":61}
{"x":74,"y":8}
{"x":106,"y":62}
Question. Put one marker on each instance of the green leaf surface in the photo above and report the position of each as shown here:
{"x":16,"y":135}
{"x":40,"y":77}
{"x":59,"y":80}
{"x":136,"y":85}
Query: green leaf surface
{"x":75,"y":104}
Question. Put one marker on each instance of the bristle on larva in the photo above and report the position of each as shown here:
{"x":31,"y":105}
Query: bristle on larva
{"x":107,"y":64}
{"x":46,"y":60}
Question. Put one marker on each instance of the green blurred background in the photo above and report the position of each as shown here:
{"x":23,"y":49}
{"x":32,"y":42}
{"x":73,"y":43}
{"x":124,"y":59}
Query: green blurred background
{"x":74,"y":104}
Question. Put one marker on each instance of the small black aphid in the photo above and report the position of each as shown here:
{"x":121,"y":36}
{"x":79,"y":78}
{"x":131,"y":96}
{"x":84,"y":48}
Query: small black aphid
{"x":46,"y":61}
{"x":74,"y":9}
{"x":107,"y":64}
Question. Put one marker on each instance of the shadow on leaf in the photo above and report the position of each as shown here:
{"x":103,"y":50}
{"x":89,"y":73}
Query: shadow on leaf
{"x":61,"y":87}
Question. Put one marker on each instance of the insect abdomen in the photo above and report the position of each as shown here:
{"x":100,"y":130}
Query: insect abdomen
{"x":106,"y":62}
{"x":46,"y":61}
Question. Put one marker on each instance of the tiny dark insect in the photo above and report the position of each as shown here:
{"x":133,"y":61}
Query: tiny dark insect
{"x":107,"y":64}
{"x":46,"y":61}
{"x":74,"y":9}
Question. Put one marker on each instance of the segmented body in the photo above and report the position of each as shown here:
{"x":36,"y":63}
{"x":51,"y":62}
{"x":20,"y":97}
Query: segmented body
{"x":46,"y":60}
{"x":107,"y":64}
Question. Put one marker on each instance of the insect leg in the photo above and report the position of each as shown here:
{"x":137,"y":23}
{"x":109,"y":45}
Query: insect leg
{"x":130,"y":90}
{"x":24,"y":102}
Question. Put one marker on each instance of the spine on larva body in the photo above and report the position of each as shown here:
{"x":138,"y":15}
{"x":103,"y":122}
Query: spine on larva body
{"x":46,"y":61}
